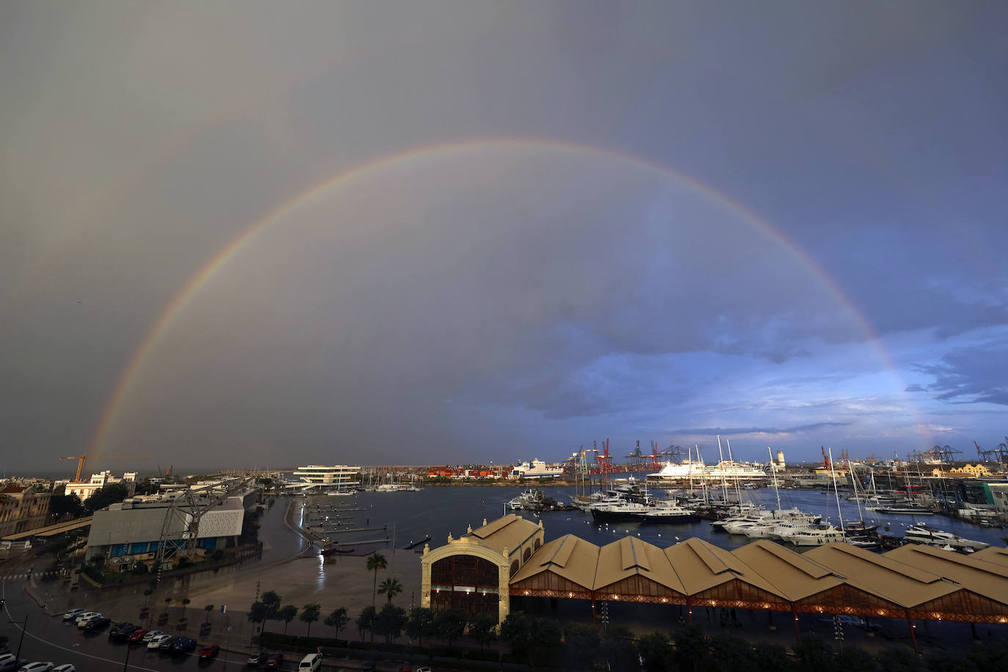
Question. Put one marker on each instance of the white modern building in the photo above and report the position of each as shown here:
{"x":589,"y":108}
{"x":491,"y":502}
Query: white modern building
{"x":338,"y":476}
{"x":85,"y":489}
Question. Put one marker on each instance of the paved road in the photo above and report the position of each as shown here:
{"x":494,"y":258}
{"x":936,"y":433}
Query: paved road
{"x":48,"y":638}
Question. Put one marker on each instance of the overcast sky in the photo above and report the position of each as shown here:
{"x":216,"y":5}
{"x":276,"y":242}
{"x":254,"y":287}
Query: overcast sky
{"x":784,"y":222}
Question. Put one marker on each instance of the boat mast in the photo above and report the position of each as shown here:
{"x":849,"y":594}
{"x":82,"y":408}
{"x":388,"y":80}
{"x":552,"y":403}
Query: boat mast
{"x":835,"y":490}
{"x":724,"y":484}
{"x":690,"y":458}
{"x":703,"y":475}
{"x":857,"y":499}
{"x":773,"y":472}
{"x":738,"y":493}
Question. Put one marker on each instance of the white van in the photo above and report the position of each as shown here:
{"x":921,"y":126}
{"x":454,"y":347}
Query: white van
{"x":311,"y":662}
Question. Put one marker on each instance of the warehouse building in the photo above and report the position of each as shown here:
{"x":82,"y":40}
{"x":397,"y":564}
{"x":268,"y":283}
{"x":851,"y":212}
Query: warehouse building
{"x":131,"y":531}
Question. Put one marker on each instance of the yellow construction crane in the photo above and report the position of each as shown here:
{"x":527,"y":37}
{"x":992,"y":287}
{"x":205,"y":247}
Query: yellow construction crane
{"x":82,"y":458}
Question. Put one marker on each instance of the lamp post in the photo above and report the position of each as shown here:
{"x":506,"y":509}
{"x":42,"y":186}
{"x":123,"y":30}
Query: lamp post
{"x":126,"y":660}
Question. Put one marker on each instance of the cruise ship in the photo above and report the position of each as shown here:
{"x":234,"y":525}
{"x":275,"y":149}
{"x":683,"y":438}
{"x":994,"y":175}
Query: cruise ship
{"x":336,"y":477}
{"x":536,"y":469}
{"x":727,"y":470}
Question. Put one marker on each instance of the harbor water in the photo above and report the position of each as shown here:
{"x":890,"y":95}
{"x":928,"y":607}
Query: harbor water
{"x":408,"y":517}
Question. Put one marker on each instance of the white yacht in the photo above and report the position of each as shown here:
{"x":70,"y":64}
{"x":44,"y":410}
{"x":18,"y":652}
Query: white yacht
{"x":817,"y":536}
{"x":922,"y":534}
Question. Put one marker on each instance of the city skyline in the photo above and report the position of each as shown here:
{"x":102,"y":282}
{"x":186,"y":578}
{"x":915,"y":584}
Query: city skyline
{"x":292,"y":235}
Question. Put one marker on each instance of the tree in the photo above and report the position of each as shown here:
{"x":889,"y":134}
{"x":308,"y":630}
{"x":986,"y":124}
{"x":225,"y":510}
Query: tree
{"x":583,"y":645}
{"x":112,"y":493}
{"x":272,"y":602}
{"x":337,"y":620}
{"x":389,"y":622}
{"x":482,"y":630}
{"x":259,"y":612}
{"x":419,"y":624}
{"x":376,"y":561}
{"x":450,"y":624}
{"x":271,"y":599}
{"x":65,"y":505}
{"x":390,"y":588}
{"x":517,"y":631}
{"x":365,"y":621}
{"x":286,"y":614}
{"x":208,"y":608}
{"x":655,"y":651}
{"x":310,"y":614}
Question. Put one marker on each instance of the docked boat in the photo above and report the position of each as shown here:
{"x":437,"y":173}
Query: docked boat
{"x":669,"y":513}
{"x":908,"y":509}
{"x":530,"y":500}
{"x":816,"y":536}
{"x":922,"y":534}
{"x":621,"y":511}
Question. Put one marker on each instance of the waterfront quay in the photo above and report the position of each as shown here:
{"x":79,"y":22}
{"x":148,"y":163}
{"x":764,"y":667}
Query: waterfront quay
{"x":292,"y":567}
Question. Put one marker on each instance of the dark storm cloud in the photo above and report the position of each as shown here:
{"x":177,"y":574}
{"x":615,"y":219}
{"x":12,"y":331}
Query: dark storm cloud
{"x":494,"y":303}
{"x":974,"y":374}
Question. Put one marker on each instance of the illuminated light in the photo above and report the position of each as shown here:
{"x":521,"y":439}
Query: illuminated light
{"x":615,"y":596}
{"x":526,"y":592}
{"x":570,"y":594}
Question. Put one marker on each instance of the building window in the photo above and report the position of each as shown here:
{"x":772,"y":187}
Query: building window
{"x":537,"y":544}
{"x":526,"y":555}
{"x":465,"y":582}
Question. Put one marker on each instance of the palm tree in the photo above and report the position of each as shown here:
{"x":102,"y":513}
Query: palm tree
{"x":310,"y":614}
{"x":375,"y":561}
{"x":337,"y":620}
{"x":390,"y":588}
{"x":286,"y":614}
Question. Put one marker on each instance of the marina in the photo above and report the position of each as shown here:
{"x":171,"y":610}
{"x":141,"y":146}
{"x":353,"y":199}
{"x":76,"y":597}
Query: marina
{"x":439,"y":511}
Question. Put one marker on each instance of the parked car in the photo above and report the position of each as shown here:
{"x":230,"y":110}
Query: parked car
{"x":168,"y":643}
{"x":256,"y":659}
{"x":36,"y":667}
{"x":151,"y":634}
{"x":137,"y":636}
{"x":65,"y":667}
{"x":73,"y":614}
{"x":159,"y":640}
{"x":121,"y":631}
{"x":183,"y":645}
{"x":8,"y":662}
{"x":96,"y":624}
{"x":86,"y":616}
{"x":274,"y":661}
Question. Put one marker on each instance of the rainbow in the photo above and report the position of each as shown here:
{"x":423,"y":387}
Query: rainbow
{"x":130,"y":373}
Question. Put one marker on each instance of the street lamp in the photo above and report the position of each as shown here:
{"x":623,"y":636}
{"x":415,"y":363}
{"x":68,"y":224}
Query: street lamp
{"x":24,"y":625}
